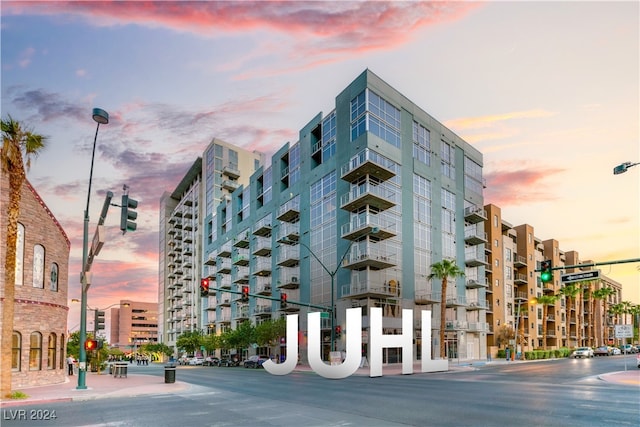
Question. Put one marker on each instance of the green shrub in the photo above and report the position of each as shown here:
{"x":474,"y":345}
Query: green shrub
{"x":501,"y":354}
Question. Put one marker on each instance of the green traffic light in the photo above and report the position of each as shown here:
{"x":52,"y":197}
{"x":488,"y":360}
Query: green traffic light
{"x":545,"y":276}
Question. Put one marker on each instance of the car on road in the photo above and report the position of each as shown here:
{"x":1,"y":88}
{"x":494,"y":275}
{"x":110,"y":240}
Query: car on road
{"x":184,"y":360}
{"x":229,"y":362}
{"x":628,"y":348}
{"x":195,"y":361}
{"x":615,"y":351}
{"x":580,"y":352}
{"x":602,"y":351}
{"x":211,"y":361}
{"x":255,"y":361}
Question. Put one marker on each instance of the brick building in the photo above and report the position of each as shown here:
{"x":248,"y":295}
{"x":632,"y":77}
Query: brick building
{"x":40,"y":320}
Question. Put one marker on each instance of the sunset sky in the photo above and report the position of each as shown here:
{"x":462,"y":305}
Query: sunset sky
{"x":547,"y":91}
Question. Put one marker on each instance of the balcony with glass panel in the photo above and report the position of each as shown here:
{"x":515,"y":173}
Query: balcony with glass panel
{"x":368,"y":162}
{"x":262,"y":267}
{"x":477,"y":304}
{"x":474,"y":236}
{"x":368,"y":194}
{"x":474,"y":256}
{"x":289,"y":278}
{"x":224,"y":300}
{"x":475,"y":214}
{"x":223,"y":266}
{"x":242,"y":278}
{"x":242,"y":313}
{"x":367,"y":223}
{"x":474,"y":283}
{"x":225,"y":250}
{"x":290,"y":211}
{"x":211,"y":259}
{"x":231,"y":171}
{"x":263,"y":227}
{"x":262,"y":311}
{"x":230,"y":185}
{"x":289,"y":231}
{"x":224,"y":282}
{"x":456,"y":325}
{"x":263,"y":285}
{"x":241,"y":259}
{"x":426,"y":297}
{"x":288,"y":256}
{"x":262,"y":246}
{"x":368,"y":254}
{"x":242,"y":240}
{"x":370,"y":283}
{"x":456,"y":301}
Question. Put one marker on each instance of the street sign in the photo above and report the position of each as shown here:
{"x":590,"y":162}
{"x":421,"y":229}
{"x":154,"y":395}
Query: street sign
{"x":624,"y":331}
{"x":96,"y":245}
{"x":579,"y":277}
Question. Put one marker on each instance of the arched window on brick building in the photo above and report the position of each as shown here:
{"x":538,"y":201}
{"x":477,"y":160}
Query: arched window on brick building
{"x":16,"y":350}
{"x":51,"y":353}
{"x":35,"y":351}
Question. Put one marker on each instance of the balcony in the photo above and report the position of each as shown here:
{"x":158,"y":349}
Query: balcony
{"x":242,"y":279}
{"x":478,"y":327}
{"x":476,"y":283}
{"x":289,"y":231}
{"x":474,"y":257}
{"x":520,"y":297}
{"x":242,"y":240}
{"x":290,"y":211}
{"x":263,"y":286}
{"x":477,"y":305}
{"x":473,"y":236}
{"x":520,"y":279}
{"x":223,"y":266}
{"x":225,"y":283}
{"x":289,"y":278}
{"x":474,"y":214}
{"x":230,"y":185}
{"x":456,"y":301}
{"x":368,"y":255}
{"x":231,"y":171}
{"x":426,"y":297}
{"x":242,"y":314}
{"x":241,"y":260}
{"x":225,"y":301}
{"x":262,"y":267}
{"x":368,"y":194}
{"x":456,"y":326}
{"x":289,"y":256}
{"x":262,"y":311}
{"x":367,"y":283}
{"x":225,"y":250}
{"x":368,"y":162}
{"x":262,"y":246}
{"x":369,"y":224}
{"x":519,"y":261}
{"x":263,"y":227}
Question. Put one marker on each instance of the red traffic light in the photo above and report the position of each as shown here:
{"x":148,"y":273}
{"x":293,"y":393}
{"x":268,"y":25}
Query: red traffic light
{"x":204,"y":287}
{"x":283,"y":300}
{"x":90,"y":345}
{"x":338,"y":330}
{"x":245,"y":293}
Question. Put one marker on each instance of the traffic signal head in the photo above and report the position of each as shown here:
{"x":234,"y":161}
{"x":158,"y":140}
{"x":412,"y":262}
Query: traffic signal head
{"x":245,"y":293}
{"x":204,"y":287}
{"x":338,"y":331}
{"x":283,"y":300}
{"x":546,"y":275}
{"x":128,"y":215}
{"x":90,"y":345}
{"x":99,"y":320}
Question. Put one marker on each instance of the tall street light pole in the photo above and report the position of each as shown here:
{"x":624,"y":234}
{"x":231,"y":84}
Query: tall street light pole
{"x":100,"y":117}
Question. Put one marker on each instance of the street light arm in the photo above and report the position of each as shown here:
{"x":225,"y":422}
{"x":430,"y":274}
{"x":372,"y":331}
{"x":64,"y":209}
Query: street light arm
{"x":317,"y":259}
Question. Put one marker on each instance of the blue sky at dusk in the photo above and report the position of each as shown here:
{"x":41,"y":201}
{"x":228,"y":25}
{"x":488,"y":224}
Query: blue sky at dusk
{"x":548,"y":92}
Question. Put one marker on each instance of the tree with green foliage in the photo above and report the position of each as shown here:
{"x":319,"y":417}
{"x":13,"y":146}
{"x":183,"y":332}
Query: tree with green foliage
{"x":603,"y":294}
{"x":19,"y":146}
{"x":157,"y":350}
{"x":190,"y":341}
{"x":443,"y":270}
{"x":268,"y":333}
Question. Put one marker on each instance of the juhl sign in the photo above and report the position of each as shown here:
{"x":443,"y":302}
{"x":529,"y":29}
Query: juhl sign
{"x":377,"y":342}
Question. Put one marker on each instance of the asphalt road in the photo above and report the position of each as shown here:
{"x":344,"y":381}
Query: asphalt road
{"x":550,"y":393}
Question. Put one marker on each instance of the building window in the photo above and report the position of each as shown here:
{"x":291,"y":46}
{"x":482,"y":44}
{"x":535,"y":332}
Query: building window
{"x":329,"y":130}
{"x":472,"y":176}
{"x":53,"y":284}
{"x":448,"y":155}
{"x":421,"y":144}
{"x":20,"y":255}
{"x":370,"y":112}
{"x":38,"y":266}
{"x":51,"y":353}
{"x":16,"y":350}
{"x":62,"y":359}
{"x":35,"y":352}
{"x":495,"y":220}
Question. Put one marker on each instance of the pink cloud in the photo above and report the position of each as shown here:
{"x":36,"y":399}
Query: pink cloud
{"x":517,"y":187}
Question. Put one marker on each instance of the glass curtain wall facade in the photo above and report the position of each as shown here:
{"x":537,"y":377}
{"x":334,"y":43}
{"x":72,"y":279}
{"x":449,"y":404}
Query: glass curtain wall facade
{"x":325,"y":221}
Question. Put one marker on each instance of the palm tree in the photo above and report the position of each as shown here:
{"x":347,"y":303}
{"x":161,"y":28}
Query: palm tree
{"x":443,"y":270}
{"x":570,"y":292}
{"x":603,"y":294}
{"x":546,"y":301}
{"x":19,"y":145}
{"x":523,"y":308}
{"x":587,"y":294}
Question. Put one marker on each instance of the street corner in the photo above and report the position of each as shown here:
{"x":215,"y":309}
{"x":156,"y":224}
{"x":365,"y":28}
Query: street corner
{"x":630,"y":377}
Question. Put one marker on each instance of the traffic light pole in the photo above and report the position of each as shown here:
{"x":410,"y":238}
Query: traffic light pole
{"x":593,"y":264}
{"x":303,"y":304}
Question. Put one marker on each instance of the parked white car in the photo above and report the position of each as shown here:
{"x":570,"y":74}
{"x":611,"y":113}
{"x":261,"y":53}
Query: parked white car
{"x":196,"y":361}
{"x":580,"y":352}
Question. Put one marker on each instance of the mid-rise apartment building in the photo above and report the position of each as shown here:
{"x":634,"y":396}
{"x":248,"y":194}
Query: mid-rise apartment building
{"x":354,"y":213}
{"x":186,"y":215}
{"x":542,"y":315}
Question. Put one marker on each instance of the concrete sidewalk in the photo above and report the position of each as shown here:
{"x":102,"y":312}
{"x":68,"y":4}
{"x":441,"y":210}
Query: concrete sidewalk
{"x":105,"y":386}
